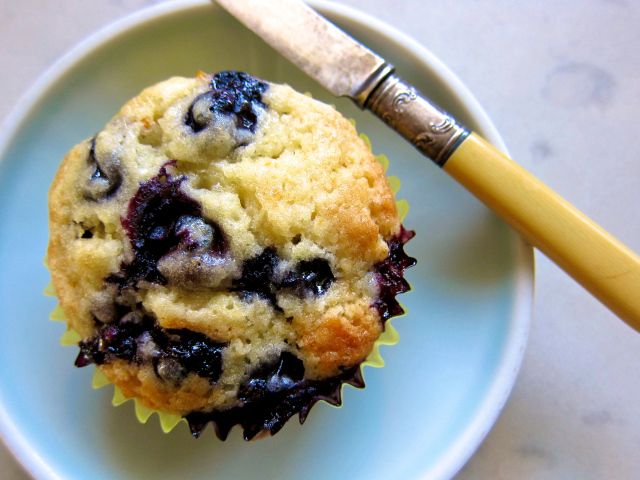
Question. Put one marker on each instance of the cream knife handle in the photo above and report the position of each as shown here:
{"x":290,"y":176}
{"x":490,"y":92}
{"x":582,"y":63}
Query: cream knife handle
{"x":605,"y":267}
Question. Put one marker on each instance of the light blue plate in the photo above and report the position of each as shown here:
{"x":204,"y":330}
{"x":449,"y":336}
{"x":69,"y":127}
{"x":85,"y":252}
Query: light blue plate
{"x":421,"y":416}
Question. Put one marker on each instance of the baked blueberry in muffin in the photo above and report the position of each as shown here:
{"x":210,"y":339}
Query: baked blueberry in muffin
{"x":228,"y":250}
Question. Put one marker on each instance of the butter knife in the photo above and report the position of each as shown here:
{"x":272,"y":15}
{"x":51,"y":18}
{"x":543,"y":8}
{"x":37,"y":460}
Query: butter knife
{"x":604,"y":266}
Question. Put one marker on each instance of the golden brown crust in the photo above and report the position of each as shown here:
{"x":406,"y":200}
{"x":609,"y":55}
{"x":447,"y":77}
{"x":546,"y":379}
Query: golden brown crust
{"x":338,"y":340}
{"x":195,"y":393}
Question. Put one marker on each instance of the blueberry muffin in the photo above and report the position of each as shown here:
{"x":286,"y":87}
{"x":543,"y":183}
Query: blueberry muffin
{"x":228,"y":250}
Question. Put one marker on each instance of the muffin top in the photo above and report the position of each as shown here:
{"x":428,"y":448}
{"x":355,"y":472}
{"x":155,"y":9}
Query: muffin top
{"x":221,"y":239}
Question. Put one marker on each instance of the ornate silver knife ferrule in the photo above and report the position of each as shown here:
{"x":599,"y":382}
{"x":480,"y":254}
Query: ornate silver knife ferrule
{"x":431,"y":130}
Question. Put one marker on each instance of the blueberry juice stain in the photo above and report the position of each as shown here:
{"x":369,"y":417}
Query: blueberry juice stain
{"x":389,"y":275}
{"x":135,"y":337}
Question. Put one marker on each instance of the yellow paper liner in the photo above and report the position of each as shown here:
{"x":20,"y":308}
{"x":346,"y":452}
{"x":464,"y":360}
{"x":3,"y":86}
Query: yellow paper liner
{"x":168,"y":421}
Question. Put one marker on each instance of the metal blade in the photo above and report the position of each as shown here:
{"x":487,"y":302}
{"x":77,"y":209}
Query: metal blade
{"x":338,"y":62}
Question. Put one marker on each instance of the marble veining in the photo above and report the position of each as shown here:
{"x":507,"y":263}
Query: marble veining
{"x":578,"y":85}
{"x":597,"y":418}
{"x":541,"y":151}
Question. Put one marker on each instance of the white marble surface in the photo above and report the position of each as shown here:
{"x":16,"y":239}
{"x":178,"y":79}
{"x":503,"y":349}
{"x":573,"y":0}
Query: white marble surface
{"x":561,"y":80}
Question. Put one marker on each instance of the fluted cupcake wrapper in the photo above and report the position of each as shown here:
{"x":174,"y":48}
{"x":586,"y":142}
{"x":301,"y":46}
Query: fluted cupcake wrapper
{"x":168,"y":421}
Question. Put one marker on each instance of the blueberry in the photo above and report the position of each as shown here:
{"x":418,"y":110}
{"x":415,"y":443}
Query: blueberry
{"x":309,"y":277}
{"x":85,"y":356}
{"x":279,"y":377}
{"x":196,"y":353}
{"x":111,"y":342}
{"x":106,"y":175}
{"x":232,"y":93}
{"x":258,"y":276}
{"x":199,"y":261}
{"x":162,"y":219}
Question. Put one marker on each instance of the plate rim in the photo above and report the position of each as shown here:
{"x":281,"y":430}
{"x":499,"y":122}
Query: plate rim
{"x":517,"y":335}
{"x":516,"y":340}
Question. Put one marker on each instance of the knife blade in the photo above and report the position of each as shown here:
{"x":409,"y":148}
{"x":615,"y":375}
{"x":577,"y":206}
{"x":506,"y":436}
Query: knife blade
{"x":323,"y":51}
{"x":599,"y":262}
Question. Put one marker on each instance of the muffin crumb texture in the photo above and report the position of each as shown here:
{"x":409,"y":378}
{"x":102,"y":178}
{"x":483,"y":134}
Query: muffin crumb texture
{"x":228,"y":250}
